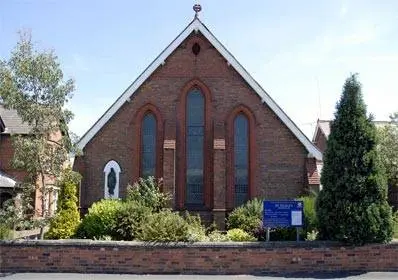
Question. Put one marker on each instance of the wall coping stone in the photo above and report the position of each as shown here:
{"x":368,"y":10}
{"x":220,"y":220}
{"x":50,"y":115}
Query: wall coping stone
{"x":170,"y":245}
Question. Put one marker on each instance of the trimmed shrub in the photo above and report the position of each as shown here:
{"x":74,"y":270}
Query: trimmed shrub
{"x":164,"y":226}
{"x":238,"y":234}
{"x":147,"y":192}
{"x":130,"y":216}
{"x":67,"y":218}
{"x":247,"y":217}
{"x":100,"y":221}
{"x":352,"y":206}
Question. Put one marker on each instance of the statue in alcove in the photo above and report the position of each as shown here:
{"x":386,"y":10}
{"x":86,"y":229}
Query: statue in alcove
{"x":111,"y":182}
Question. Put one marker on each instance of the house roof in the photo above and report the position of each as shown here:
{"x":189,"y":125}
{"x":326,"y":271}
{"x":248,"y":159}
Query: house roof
{"x":197,"y":26}
{"x":6,"y":181}
{"x":323,"y":126}
{"x":13,"y":122}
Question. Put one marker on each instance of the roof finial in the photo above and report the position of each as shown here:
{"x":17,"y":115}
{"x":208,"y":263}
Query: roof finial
{"x":197,"y":8}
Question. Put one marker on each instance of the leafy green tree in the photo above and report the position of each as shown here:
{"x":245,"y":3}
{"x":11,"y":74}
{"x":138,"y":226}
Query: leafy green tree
{"x":31,"y":82}
{"x":64,"y":224}
{"x":352,"y":206}
{"x":388,"y":150}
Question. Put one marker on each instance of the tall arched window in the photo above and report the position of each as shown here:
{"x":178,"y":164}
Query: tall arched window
{"x":148,"y":145}
{"x":195,"y":131}
{"x":241,"y":159}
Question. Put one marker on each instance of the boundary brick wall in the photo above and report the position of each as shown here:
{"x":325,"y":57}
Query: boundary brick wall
{"x":86,"y":256}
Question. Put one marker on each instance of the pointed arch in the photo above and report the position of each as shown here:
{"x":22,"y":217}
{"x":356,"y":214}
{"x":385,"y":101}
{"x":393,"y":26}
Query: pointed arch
{"x":181,"y":194}
{"x":245,"y":112}
{"x":141,"y":116}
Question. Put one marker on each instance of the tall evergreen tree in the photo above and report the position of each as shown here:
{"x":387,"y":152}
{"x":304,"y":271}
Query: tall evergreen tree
{"x":352,"y":206}
{"x":63,"y":225}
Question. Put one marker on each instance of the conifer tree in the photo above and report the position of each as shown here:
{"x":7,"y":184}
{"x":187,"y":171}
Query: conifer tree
{"x":352,"y":206}
{"x":67,"y":218}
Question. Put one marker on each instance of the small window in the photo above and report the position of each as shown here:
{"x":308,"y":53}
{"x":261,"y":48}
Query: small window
{"x":111,"y":172}
{"x":196,"y":49}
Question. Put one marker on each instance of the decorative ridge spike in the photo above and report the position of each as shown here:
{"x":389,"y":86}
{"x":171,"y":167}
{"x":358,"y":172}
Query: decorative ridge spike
{"x":197,"y":8}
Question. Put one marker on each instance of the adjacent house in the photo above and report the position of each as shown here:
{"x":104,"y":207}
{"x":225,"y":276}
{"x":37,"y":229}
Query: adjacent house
{"x":196,"y":118}
{"x":12,"y":124}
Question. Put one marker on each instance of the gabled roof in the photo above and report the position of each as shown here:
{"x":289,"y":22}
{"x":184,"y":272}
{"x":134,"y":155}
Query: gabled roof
{"x":197,"y":26}
{"x":13,"y":122}
{"x":323,"y":126}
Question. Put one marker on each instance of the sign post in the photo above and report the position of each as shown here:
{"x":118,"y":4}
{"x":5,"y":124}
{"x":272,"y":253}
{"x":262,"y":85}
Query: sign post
{"x":287,"y":213}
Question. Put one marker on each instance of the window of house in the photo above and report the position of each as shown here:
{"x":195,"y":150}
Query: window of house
{"x":54,"y":200}
{"x":148,"y":145}
{"x":195,"y":126}
{"x":241,"y":158}
{"x":111,"y":181}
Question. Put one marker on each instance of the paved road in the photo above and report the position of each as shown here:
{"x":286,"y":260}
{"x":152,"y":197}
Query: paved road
{"x":72,"y":276}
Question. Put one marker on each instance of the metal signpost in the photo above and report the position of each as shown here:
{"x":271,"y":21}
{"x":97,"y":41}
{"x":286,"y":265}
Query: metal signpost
{"x":282,"y":213}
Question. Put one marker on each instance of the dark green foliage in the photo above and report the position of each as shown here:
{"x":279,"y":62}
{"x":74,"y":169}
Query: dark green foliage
{"x":352,"y":205}
{"x":147,"y":192}
{"x":67,"y":218}
{"x":395,"y":225}
{"x":8,"y":218}
{"x":164,"y":226}
{"x":100,"y":221}
{"x":388,"y":151}
{"x":129,"y":219}
{"x":247,"y":216}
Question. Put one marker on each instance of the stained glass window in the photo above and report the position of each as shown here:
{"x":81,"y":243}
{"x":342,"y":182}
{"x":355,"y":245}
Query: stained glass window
{"x":195,"y":122}
{"x":241,"y":158}
{"x":148,"y":146}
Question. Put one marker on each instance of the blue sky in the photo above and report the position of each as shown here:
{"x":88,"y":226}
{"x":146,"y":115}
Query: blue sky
{"x":299,"y":51}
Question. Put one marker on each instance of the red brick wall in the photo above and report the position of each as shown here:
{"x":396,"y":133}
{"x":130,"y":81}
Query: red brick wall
{"x":205,"y":258}
{"x":6,"y":154}
{"x":279,"y":159}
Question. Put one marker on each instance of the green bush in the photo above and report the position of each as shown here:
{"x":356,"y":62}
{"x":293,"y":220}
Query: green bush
{"x":352,"y":206}
{"x":238,"y":234}
{"x":196,"y":231}
{"x":100,"y":221}
{"x":217,"y":236}
{"x":5,"y":232}
{"x":310,"y":218}
{"x":247,"y":217}
{"x":67,"y":218}
{"x":129,"y":218}
{"x":8,"y":219}
{"x":164,"y":226}
{"x":396,"y":225}
{"x":147,"y":192}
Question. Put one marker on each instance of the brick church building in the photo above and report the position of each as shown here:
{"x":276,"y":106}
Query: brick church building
{"x":196,"y":118}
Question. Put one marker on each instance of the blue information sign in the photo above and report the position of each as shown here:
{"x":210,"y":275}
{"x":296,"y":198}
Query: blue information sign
{"x":283,"y":213}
